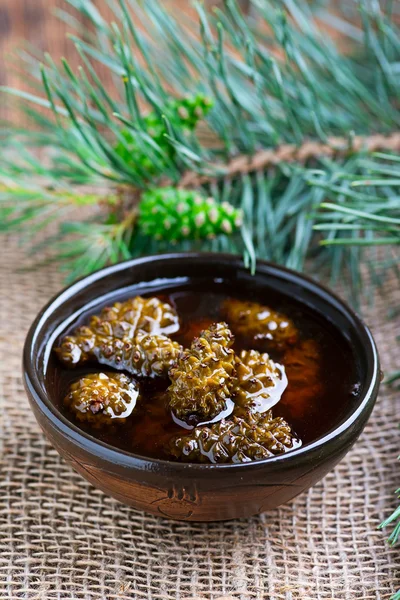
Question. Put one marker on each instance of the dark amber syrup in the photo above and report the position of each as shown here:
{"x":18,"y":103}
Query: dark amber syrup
{"x":313,"y":402}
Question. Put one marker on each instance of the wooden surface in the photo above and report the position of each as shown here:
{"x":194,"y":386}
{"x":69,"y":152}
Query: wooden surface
{"x":34,"y":22}
{"x":31,"y":21}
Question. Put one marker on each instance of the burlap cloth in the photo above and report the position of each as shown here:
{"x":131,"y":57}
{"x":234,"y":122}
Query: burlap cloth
{"x":61,"y":538}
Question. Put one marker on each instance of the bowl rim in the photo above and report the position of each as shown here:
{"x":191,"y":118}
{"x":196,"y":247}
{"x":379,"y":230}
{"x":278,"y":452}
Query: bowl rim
{"x":126,"y":459}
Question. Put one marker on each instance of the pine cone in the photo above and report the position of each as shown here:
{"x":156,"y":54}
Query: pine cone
{"x":122,"y":320}
{"x":183,"y":115}
{"x":260,"y":322}
{"x":239,"y":439}
{"x":260,"y":382}
{"x":101,"y":398}
{"x":202,"y":377}
{"x":146,"y":355}
{"x":187,"y":112}
{"x":172,"y":214}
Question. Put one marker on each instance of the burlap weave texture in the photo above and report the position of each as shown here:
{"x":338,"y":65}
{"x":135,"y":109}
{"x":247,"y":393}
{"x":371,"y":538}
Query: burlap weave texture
{"x":62,"y":539}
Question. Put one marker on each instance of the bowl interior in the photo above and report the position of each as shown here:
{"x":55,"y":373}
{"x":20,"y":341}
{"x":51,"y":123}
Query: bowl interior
{"x":157,"y":274}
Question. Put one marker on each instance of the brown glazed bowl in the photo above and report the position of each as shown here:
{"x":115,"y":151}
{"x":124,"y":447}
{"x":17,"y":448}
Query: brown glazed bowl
{"x":197,"y":492}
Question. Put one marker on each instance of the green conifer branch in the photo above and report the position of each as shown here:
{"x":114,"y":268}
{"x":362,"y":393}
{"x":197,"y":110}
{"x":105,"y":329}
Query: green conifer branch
{"x":265,"y":91}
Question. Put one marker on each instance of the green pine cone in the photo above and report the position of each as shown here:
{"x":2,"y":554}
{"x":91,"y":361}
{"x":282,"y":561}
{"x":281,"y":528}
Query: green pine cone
{"x":183,"y":114}
{"x":187,"y":112}
{"x":172,"y":214}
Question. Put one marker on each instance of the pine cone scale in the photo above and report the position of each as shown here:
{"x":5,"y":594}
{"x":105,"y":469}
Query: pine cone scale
{"x":145,"y":356}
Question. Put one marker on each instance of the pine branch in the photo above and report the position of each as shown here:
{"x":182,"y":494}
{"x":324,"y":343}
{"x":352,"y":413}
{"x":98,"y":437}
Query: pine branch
{"x":94,"y":245}
{"x":289,"y":153}
{"x":282,"y":93}
{"x":367,"y":195}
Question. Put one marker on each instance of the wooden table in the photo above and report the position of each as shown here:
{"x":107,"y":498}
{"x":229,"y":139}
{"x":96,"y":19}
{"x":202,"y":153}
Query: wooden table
{"x":35,"y":22}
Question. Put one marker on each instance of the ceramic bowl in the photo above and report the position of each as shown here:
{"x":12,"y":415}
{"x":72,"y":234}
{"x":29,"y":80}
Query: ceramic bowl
{"x":197,"y":492}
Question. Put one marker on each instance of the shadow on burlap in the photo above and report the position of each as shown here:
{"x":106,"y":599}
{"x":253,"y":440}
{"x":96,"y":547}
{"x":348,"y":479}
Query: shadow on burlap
{"x":61,"y":538}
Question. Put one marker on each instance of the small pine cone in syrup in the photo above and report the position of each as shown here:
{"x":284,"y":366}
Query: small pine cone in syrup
{"x":100,"y":398}
{"x":150,"y":315}
{"x":202,"y":378}
{"x":122,"y":320}
{"x":260,"y":382}
{"x":144,"y":356}
{"x":250,"y":319}
{"x":78,"y":348}
{"x":243,"y":438}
